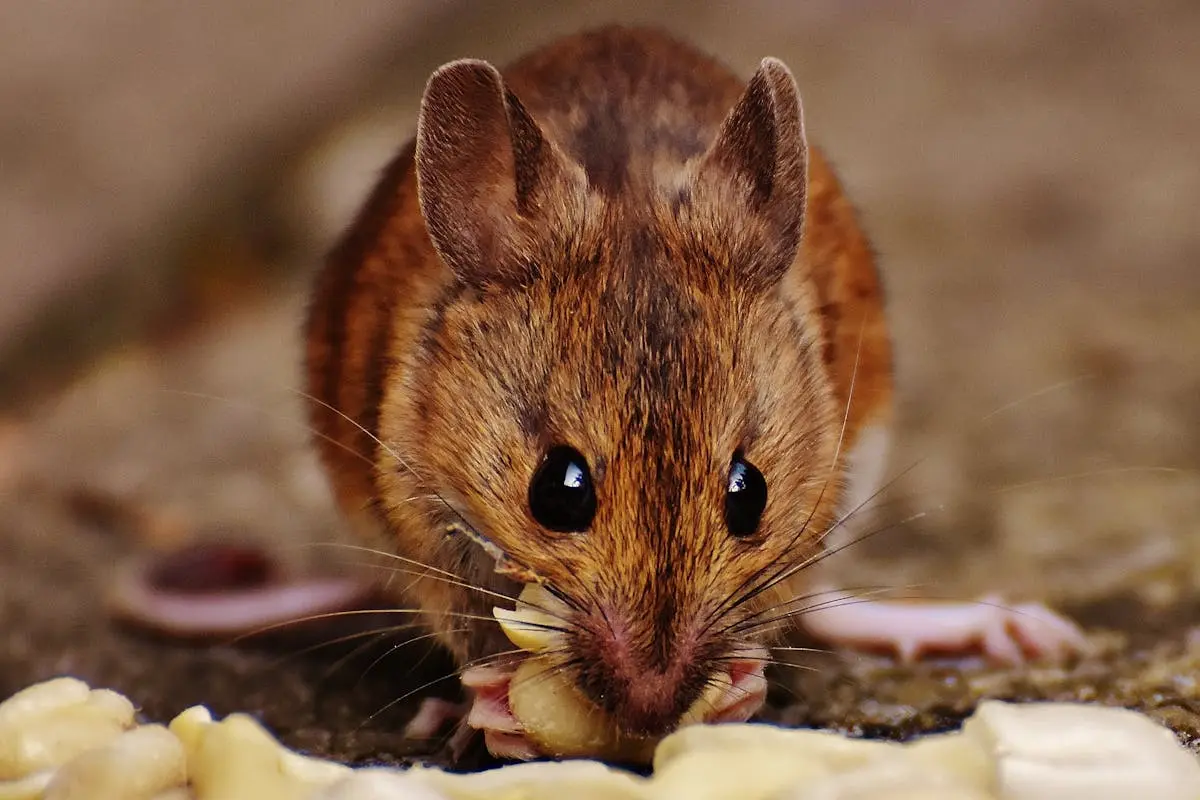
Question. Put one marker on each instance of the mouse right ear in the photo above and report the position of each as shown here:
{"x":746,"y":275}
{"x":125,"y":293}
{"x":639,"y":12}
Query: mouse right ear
{"x":488,"y":179}
{"x":753,"y":178}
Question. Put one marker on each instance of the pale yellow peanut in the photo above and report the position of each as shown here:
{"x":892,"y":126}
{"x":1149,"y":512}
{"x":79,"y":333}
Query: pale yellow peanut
{"x":838,"y":751}
{"x":236,"y":758}
{"x":36,"y":700}
{"x":58,"y":735}
{"x":562,"y":722}
{"x":1006,"y":752}
{"x":888,"y":779}
{"x":379,"y":784}
{"x":576,"y":780}
{"x":137,"y":765}
{"x":1070,"y":750}
{"x":28,"y":788}
{"x":533,"y":625}
{"x":744,"y":773}
{"x":956,"y":755}
{"x":51,"y":722}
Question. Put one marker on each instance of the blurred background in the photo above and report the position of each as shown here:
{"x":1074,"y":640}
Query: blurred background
{"x":170,"y":175}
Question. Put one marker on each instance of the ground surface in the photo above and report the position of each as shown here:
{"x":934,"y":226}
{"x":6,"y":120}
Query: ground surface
{"x":1032,"y":187}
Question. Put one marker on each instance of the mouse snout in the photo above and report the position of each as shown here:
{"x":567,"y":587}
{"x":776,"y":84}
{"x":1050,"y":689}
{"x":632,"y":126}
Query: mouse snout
{"x":649,"y":703}
{"x":645,"y":683}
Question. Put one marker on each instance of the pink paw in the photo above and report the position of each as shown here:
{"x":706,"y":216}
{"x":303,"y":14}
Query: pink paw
{"x":490,"y":712}
{"x":1007,"y":634}
{"x":487,"y":711}
{"x":742,"y":697}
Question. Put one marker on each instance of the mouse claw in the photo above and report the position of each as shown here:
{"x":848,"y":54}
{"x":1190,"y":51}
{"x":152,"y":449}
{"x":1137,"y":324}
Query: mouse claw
{"x":1040,"y":632}
{"x":1006,"y":634}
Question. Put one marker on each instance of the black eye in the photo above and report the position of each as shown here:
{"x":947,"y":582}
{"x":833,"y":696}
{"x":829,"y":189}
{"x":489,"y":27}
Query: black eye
{"x":561,"y":495}
{"x":745,"y":498}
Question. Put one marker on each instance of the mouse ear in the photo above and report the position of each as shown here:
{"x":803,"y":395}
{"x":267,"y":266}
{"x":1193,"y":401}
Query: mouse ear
{"x":756,"y":169}
{"x":485,"y":173}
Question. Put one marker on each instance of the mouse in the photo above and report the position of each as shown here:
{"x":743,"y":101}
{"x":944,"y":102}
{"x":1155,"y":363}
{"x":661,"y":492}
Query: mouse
{"x":609,"y":324}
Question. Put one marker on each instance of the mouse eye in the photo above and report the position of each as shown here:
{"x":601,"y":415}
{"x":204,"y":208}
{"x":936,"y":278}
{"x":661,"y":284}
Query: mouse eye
{"x":561,"y":495}
{"x":745,"y":498}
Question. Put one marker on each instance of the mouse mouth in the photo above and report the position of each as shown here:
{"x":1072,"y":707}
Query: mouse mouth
{"x":546,"y":705}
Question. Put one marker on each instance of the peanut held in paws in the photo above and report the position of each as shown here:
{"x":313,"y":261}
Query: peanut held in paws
{"x":551,"y":712}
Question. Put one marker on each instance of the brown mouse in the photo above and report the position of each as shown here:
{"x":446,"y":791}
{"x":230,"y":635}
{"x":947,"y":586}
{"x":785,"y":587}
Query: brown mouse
{"x":609,"y":323}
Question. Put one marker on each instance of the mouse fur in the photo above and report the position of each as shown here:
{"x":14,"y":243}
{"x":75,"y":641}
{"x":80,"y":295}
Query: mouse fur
{"x":619,"y":244}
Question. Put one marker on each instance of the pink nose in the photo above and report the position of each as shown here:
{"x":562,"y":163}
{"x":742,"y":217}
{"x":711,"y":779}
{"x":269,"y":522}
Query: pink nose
{"x":651,"y":703}
{"x":645,"y":692}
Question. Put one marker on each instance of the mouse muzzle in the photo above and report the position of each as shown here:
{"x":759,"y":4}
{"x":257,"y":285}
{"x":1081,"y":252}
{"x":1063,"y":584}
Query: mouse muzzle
{"x":650,"y":686}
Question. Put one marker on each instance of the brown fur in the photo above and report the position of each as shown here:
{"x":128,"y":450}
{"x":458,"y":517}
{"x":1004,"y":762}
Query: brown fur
{"x":601,"y":248}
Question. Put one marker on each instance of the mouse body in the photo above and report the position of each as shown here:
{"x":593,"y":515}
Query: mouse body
{"x":609,"y":324}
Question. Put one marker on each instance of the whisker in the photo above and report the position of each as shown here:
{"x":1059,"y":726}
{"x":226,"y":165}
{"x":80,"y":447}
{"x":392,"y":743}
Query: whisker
{"x":348,"y":657}
{"x":448,"y":676}
{"x":777,"y":661}
{"x":356,"y":612}
{"x":754,"y":624}
{"x":243,"y":404}
{"x":1045,"y":390}
{"x":841,"y":602}
{"x":552,"y":665}
{"x":1007,"y":488}
{"x":428,"y":570}
{"x":470,"y":529}
{"x":1096,"y":473}
{"x":445,"y":576}
{"x":343,"y":639}
{"x":786,"y":571}
{"x":793,"y":569}
{"x":732,"y":600}
{"x":398,"y":645}
{"x":834,"y":596}
{"x":467,"y":527}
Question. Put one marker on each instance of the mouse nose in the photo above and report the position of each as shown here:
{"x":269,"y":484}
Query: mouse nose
{"x":645,"y":689}
{"x":651,"y":703}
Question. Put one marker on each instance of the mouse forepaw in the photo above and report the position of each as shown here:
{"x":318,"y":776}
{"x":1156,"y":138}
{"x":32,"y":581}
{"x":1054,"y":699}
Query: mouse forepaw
{"x":486,"y":712}
{"x":491,"y":714}
{"x":1008,"y":634}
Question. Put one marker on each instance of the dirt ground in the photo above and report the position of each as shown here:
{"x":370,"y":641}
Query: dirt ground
{"x":1028,"y":172}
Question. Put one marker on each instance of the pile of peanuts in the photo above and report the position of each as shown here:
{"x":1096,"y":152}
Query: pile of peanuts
{"x":62,"y":740}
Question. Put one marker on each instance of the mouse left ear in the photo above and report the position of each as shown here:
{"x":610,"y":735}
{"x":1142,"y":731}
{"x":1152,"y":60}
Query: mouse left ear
{"x":754,"y":175}
{"x":490,"y":182}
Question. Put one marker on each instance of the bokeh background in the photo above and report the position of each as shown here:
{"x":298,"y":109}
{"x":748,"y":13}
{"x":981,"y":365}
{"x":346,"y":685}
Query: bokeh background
{"x":171,"y":173}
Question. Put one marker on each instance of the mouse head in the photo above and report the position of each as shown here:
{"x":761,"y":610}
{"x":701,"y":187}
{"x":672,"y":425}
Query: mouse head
{"x":623,"y":391}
